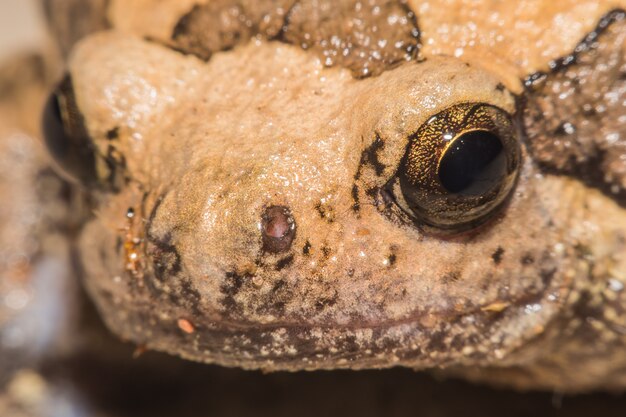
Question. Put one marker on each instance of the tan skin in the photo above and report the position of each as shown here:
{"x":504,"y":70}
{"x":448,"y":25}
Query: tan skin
{"x":256,"y":205}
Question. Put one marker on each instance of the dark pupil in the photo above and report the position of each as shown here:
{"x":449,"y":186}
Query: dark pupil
{"x":473,"y":164}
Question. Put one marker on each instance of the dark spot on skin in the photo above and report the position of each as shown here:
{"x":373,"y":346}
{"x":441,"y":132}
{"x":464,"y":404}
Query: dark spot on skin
{"x":564,"y":129}
{"x":500,"y":87}
{"x":585,"y":307}
{"x":284,"y":262}
{"x":190,"y":296}
{"x":326,"y":251}
{"x":306,"y":249}
{"x":583,"y":251}
{"x":458,"y":342}
{"x":547,"y":275}
{"x":356,"y":206}
{"x":326,"y":212}
{"x":370,"y":157}
{"x":277,"y":299}
{"x":453,"y":276}
{"x":437,"y":342}
{"x":165,"y":257}
{"x":497,"y":255}
{"x":278,"y":229}
{"x":349,"y":344}
{"x":392,"y":258}
{"x":278,"y":286}
{"x":527,"y":259}
{"x":113,"y":133}
{"x":116,"y":165}
{"x":350,"y":272}
{"x":279,"y":307}
{"x":230,"y":288}
{"x":322,"y":303}
{"x":372,"y":192}
{"x":534,"y":79}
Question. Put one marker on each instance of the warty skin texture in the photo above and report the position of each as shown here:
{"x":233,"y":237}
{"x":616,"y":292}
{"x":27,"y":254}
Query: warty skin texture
{"x":205,"y":147}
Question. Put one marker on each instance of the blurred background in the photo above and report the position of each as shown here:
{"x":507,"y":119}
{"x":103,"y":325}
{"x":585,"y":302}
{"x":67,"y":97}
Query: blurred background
{"x":20,"y":27}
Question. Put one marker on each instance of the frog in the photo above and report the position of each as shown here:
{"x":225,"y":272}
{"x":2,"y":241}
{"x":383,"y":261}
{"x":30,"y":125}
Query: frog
{"x":307,"y":185}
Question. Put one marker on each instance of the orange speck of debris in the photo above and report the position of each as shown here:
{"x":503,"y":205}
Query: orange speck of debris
{"x":362,"y":232}
{"x":186,"y":326}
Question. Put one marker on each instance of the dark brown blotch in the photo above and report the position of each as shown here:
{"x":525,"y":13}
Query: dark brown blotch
{"x":365,"y":37}
{"x":221,"y":25}
{"x":572,"y":121}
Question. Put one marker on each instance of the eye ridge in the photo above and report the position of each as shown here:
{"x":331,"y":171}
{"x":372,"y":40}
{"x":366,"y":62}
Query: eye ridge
{"x":459,"y":167}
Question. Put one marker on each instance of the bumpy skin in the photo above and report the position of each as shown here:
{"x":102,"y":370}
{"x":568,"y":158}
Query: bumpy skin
{"x":199,"y":133}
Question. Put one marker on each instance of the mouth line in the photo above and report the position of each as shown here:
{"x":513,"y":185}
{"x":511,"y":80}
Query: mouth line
{"x":492,"y":308}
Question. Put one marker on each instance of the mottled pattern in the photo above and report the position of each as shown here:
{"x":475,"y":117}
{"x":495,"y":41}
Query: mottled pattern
{"x":366,"y":37}
{"x":210,"y":144}
{"x":575,"y":115}
{"x":231,"y":23}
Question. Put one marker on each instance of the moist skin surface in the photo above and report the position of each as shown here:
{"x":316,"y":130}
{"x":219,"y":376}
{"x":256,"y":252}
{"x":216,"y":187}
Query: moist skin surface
{"x":242,"y":213}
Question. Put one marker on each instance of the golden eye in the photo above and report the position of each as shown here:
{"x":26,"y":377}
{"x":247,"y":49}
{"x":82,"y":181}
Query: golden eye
{"x":66,"y":136}
{"x":459,"y":167}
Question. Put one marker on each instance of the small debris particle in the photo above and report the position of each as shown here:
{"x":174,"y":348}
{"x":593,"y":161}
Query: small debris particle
{"x":495,"y":307}
{"x":186,"y":326}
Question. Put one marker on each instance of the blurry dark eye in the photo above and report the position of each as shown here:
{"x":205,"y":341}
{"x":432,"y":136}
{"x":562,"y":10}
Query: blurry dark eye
{"x":66,"y":136}
{"x":460,"y":166}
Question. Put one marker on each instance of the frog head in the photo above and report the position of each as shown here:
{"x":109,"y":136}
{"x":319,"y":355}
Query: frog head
{"x":259,"y":208}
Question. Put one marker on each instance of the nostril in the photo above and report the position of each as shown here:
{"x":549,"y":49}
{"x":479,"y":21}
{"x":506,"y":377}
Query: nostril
{"x":278,"y":228}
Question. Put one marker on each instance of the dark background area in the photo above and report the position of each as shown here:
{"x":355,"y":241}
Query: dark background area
{"x":158,"y":385}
